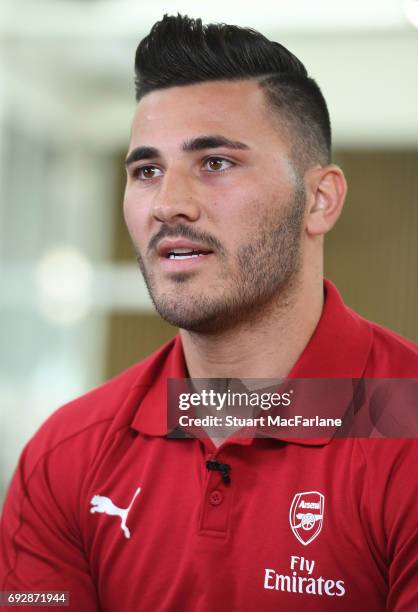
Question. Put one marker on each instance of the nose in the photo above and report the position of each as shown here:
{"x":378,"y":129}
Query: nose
{"x":176,"y":199}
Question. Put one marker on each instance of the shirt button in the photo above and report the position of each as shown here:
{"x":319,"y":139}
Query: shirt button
{"x":216,"y":498}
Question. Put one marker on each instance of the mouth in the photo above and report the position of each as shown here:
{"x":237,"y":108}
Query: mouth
{"x":181,"y":249}
{"x":183,"y":254}
{"x":180,"y":254}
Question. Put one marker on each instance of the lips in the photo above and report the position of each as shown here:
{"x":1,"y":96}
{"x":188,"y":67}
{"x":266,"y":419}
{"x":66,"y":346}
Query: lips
{"x":181,"y":249}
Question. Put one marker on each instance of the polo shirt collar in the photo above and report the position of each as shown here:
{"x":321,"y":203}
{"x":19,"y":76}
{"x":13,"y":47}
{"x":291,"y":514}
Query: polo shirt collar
{"x":338,"y":348}
{"x":340,"y":344}
{"x":151,"y":417}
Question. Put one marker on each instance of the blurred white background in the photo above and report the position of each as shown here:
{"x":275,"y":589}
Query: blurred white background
{"x":66,"y":101}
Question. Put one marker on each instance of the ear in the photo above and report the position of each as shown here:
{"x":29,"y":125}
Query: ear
{"x":327,"y":189}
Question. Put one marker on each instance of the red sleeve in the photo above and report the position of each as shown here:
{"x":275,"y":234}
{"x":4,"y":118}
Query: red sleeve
{"x":393,"y":508}
{"x":40,"y":544}
{"x":403,"y":575}
{"x":402,"y":530}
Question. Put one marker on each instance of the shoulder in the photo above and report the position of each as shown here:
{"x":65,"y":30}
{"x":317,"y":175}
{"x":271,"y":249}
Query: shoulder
{"x":390,"y":492}
{"x":391,"y":354}
{"x":87,"y":421}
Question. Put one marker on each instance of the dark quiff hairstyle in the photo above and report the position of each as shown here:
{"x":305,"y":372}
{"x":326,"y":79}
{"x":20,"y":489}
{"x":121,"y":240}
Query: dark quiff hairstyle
{"x":182,"y":51}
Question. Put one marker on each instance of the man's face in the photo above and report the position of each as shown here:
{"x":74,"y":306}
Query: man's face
{"x":213,"y":204}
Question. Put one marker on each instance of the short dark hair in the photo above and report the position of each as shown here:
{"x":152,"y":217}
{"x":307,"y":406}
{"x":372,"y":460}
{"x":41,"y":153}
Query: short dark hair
{"x":182,"y":51}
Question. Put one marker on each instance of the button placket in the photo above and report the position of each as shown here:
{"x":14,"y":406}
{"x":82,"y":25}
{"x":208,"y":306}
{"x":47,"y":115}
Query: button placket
{"x":217,"y":504}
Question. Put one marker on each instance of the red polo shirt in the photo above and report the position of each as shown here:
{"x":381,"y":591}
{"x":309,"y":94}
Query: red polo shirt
{"x":104,"y":506}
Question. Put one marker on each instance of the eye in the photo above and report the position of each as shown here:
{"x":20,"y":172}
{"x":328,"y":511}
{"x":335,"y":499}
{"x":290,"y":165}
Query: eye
{"x":217,"y":164}
{"x":146,"y":173}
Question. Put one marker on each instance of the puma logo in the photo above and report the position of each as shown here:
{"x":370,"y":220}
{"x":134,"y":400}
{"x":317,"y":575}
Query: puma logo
{"x":104,"y":504}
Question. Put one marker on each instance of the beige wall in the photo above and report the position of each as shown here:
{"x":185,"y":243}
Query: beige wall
{"x":372,"y":253}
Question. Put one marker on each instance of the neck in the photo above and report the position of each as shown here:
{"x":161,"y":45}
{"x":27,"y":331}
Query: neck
{"x":268,"y":346}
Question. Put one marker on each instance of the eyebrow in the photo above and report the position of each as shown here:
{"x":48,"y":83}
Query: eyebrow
{"x":199,"y":143}
{"x":212,"y":142}
{"x":141,"y":153}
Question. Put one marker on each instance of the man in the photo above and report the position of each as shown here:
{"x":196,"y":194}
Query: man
{"x":229,"y":194}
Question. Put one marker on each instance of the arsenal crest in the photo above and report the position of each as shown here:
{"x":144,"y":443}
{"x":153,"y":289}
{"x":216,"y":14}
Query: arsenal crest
{"x":306,"y":515}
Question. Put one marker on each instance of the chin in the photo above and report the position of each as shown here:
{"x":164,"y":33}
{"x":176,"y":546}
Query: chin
{"x":189,"y":321}
{"x":192,"y":315}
